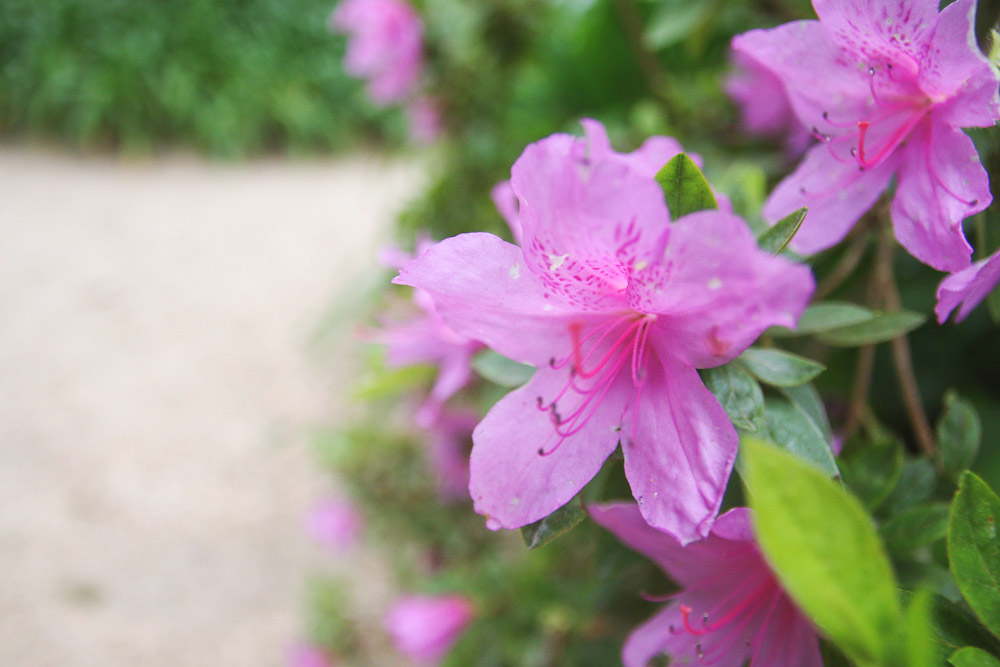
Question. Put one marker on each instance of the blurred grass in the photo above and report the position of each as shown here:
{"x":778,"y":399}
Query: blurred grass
{"x":227,"y":77}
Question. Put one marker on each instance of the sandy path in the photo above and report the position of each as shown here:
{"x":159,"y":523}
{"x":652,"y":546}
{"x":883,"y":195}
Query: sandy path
{"x":157,"y":394}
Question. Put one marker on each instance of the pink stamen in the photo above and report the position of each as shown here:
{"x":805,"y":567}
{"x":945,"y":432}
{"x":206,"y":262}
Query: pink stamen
{"x":890,"y":145}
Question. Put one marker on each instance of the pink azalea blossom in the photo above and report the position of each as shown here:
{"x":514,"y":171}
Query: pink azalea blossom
{"x":764,"y":105}
{"x":424,"y":120}
{"x":449,"y":439}
{"x":334,"y":523}
{"x":731,"y":609}
{"x":506,"y":202}
{"x":308,"y":655}
{"x":967,"y":287}
{"x":616,"y":307}
{"x":886,"y":87}
{"x":385,"y":46}
{"x":424,"y":628}
{"x":427,"y":339}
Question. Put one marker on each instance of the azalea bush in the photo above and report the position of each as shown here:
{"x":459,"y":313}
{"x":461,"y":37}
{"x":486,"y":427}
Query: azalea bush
{"x":666,"y":374}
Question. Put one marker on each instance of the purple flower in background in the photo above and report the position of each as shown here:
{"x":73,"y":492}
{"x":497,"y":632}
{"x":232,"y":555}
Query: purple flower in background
{"x":616,"y":307}
{"x":424,"y":120}
{"x":334,"y":523}
{"x":765,"y":109}
{"x":307,"y":655}
{"x":886,"y":87}
{"x":385,"y":46}
{"x":425,"y":628}
{"x":449,"y":442}
{"x":506,"y":202}
{"x":967,"y":287}
{"x":427,"y":339}
{"x":731,"y":609}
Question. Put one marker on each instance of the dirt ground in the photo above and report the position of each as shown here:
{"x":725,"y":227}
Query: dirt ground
{"x":158,"y":389}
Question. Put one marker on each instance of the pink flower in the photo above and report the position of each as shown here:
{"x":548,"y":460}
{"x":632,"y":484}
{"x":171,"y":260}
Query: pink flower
{"x":334,"y":523}
{"x":449,"y":440}
{"x":424,"y":120}
{"x":967,"y":287}
{"x":764,"y":104}
{"x":425,"y":628}
{"x":385,"y":46}
{"x":307,"y":655}
{"x":886,"y":87}
{"x":731,"y":609}
{"x":616,"y":307}
{"x":506,"y":202}
{"x":426,"y":338}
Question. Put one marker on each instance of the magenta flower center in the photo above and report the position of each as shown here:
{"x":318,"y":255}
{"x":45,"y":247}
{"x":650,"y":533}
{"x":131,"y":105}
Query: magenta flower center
{"x":595,"y":362}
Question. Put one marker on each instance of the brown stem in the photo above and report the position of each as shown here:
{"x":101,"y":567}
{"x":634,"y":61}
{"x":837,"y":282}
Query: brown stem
{"x":859,"y":392}
{"x":649,"y":66}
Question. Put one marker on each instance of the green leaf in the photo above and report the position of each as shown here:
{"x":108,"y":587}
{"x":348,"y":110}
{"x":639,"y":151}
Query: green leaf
{"x":958,"y":434}
{"x":876,"y":330}
{"x":738,"y":393}
{"x":807,"y":400}
{"x":824,"y":549}
{"x":832,"y":315}
{"x":561,"y":521}
{"x":921,"y":649}
{"x":916,"y":483}
{"x":793,"y":430}
{"x":780,"y":368}
{"x":955,"y":627}
{"x":971,"y":656}
{"x":776,"y":238}
{"x":872,"y":470}
{"x":974,"y":549}
{"x":500,"y":370}
{"x":905,"y":533}
{"x":684,"y":187}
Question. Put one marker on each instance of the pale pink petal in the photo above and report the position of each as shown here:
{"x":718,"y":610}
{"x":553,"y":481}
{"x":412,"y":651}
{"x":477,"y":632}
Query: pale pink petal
{"x":940,"y":182}
{"x":449,"y":443}
{"x":734,"y":525}
{"x":334,"y":523}
{"x":764,"y":105}
{"x":424,"y":628}
{"x":682,"y":451}
{"x":424,"y":120}
{"x":308,"y":655}
{"x":484,"y":291}
{"x":716,"y":291}
{"x":512,"y":483}
{"x":881,"y":30}
{"x":651,"y":638}
{"x":506,"y":202}
{"x":837,"y":194}
{"x":645,"y":161}
{"x":967,"y":287}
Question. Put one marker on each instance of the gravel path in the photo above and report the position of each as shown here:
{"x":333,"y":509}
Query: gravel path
{"x":157,"y":393}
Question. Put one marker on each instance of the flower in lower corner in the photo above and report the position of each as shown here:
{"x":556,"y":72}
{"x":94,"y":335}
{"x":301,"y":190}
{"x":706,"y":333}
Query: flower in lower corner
{"x":308,"y":655}
{"x":731,"y":608}
{"x":968,"y":287}
{"x":616,"y":306}
{"x":424,"y":628}
{"x":886,"y":87}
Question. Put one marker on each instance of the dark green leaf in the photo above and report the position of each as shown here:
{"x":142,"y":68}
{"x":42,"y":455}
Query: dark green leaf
{"x":500,"y":370}
{"x":958,"y":434}
{"x":917,"y":480}
{"x":872,"y":470}
{"x":684,"y":187}
{"x":974,"y":549}
{"x":806,"y":398}
{"x":562,"y":520}
{"x":973,"y":657}
{"x":955,"y":627}
{"x":905,"y":533}
{"x":738,"y":393}
{"x":777,"y":237}
{"x":779,"y":368}
{"x":877,"y":330}
{"x":793,"y":430}
{"x":828,"y":315}
{"x":825,"y":551}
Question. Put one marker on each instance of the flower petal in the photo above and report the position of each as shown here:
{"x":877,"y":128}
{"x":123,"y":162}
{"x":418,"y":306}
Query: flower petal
{"x":879,"y":30}
{"x":511,"y":482}
{"x":940,"y":182}
{"x":967,"y":287}
{"x":483,"y":290}
{"x":719,"y":291}
{"x":836,"y":193}
{"x":680,"y":452}
{"x":506,"y":202}
{"x":651,"y":638}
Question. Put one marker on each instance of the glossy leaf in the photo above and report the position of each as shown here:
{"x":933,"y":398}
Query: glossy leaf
{"x":958,"y":434}
{"x":807,"y":400}
{"x":776,"y":238}
{"x":876,"y":330}
{"x":974,"y":548}
{"x":738,"y":393}
{"x":825,"y":551}
{"x":780,"y":368}
{"x":792,"y":430}
{"x":685,"y":188}
{"x":500,"y":370}
{"x":828,"y":315}
{"x":561,"y":521}
{"x":971,"y":656}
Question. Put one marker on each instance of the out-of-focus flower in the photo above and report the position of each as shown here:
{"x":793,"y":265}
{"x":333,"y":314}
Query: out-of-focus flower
{"x":385,"y":46}
{"x":334,"y":523}
{"x":967,"y":287}
{"x":424,"y":120}
{"x":764,"y":106}
{"x":424,"y":628}
{"x":449,"y":443}
{"x":886,"y":88}
{"x":506,"y":202}
{"x":307,"y":655}
{"x":616,"y":307}
{"x":731,"y":609}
